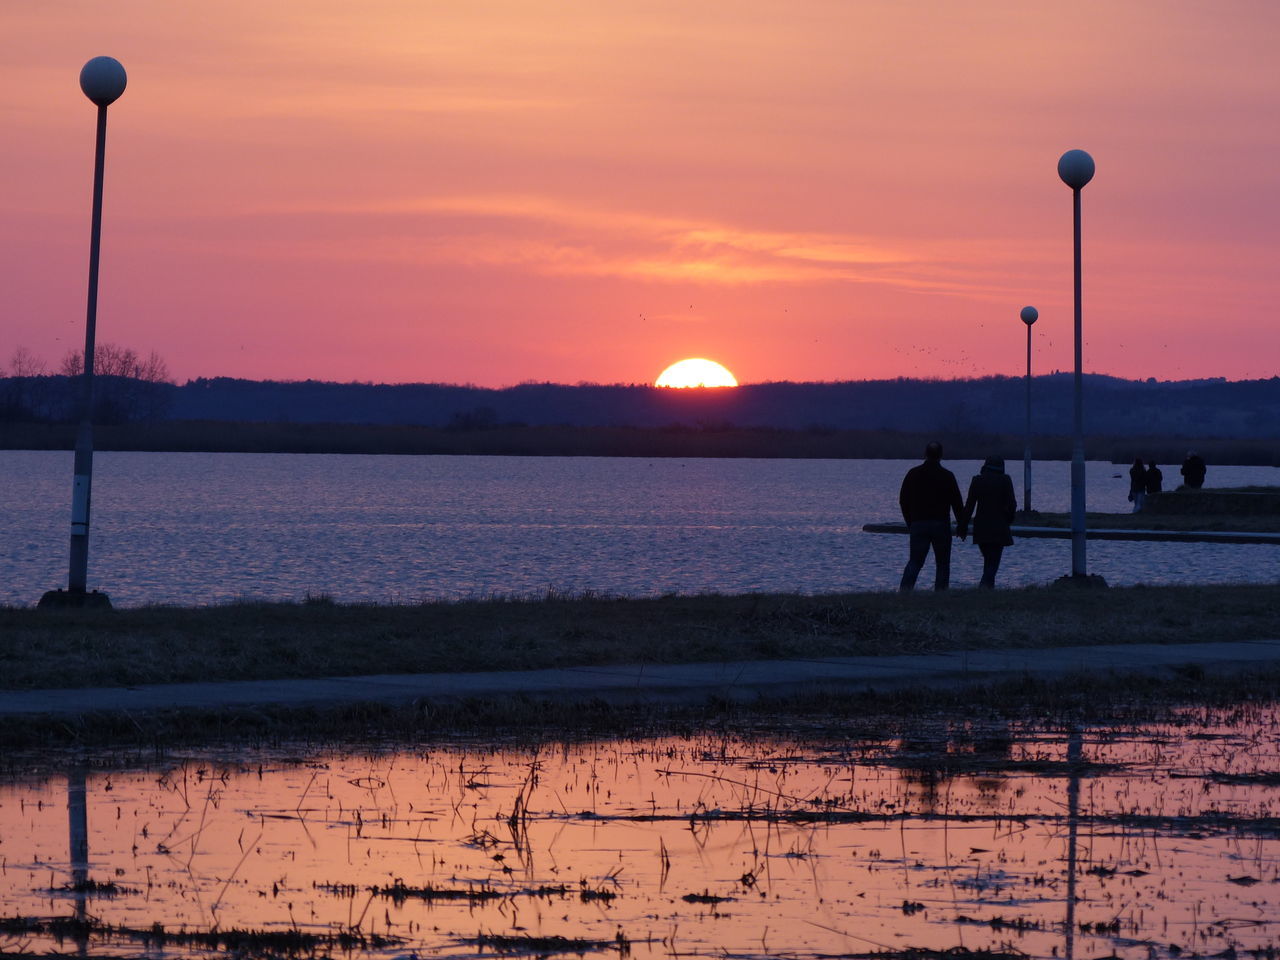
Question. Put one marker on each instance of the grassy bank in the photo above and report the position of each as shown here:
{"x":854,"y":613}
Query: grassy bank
{"x":270,"y":641}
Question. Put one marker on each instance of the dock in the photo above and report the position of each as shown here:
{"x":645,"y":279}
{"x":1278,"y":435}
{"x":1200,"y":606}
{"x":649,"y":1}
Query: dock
{"x":1092,"y":533}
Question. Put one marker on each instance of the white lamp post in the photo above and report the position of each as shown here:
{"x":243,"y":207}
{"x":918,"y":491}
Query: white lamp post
{"x":1076,"y":169}
{"x":1029,"y":316}
{"x":103,"y":81}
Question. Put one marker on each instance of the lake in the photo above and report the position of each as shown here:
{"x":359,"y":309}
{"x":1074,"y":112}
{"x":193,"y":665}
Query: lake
{"x":901,"y":839}
{"x":210,"y":528}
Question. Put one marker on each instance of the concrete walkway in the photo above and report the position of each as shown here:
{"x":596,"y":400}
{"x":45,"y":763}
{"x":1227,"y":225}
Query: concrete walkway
{"x":681,"y":683}
{"x":1094,"y":533}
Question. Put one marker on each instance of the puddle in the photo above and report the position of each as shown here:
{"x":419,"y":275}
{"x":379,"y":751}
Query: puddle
{"x":1152,"y":841}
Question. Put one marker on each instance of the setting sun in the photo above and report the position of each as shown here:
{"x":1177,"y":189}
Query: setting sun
{"x":696,"y":372}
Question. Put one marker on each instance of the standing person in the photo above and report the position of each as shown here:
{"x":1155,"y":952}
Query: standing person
{"x":1137,"y":484}
{"x":928,"y":497}
{"x":1155,"y":479}
{"x":991,"y":505}
{"x":1193,"y":470}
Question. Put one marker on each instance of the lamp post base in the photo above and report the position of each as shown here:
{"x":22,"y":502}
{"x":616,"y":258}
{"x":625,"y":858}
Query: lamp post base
{"x":1079,"y":581}
{"x":74,"y":600}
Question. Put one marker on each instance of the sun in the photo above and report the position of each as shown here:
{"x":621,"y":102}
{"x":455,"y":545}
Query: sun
{"x":696,"y":372}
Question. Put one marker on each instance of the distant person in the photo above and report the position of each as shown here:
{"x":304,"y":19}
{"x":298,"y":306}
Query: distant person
{"x":991,"y":505}
{"x":928,"y":497}
{"x":1155,"y":479}
{"x":1137,"y":484}
{"x":1193,"y":470}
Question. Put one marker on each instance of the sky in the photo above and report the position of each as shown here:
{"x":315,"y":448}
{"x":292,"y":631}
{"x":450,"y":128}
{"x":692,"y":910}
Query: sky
{"x":501,"y":191}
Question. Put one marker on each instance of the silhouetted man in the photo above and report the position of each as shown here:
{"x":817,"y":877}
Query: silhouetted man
{"x":1155,"y":479}
{"x":1193,"y":471}
{"x":928,"y":497}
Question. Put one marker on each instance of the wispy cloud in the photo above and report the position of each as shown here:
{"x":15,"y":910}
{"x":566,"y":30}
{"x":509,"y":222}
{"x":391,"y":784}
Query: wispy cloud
{"x":544,"y":235}
{"x":548,"y":236}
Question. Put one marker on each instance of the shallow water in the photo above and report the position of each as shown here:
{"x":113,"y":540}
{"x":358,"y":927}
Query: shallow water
{"x":1151,"y":841}
{"x":205,"y":528}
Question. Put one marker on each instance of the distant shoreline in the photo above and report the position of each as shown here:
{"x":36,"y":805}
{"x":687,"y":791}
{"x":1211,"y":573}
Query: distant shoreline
{"x":208,"y":436}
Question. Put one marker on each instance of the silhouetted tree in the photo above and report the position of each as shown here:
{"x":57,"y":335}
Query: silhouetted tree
{"x":128,"y":387}
{"x":26,"y":391}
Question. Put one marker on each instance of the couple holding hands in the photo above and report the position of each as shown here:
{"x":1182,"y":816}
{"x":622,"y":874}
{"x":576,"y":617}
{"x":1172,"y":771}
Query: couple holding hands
{"x":928,"y":497}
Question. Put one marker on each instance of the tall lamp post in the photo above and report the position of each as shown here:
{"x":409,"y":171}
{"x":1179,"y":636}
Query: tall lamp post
{"x":1029,"y":316}
{"x":103,"y":81}
{"x":1076,"y":169}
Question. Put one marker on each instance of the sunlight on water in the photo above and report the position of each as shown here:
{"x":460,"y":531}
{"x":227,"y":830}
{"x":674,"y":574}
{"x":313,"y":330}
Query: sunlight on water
{"x":207,"y":528}
{"x":1151,"y":841}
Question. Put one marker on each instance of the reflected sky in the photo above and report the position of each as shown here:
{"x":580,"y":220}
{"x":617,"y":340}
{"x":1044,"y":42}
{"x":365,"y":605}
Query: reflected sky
{"x":934,"y":836}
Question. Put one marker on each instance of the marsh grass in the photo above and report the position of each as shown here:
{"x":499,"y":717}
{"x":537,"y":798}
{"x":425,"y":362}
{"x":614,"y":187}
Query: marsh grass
{"x":399,"y":892}
{"x":119,"y":739}
{"x":107,"y":889}
{"x":260,"y":641}
{"x":952,"y":953}
{"x":521,"y":944}
{"x":237,"y":941}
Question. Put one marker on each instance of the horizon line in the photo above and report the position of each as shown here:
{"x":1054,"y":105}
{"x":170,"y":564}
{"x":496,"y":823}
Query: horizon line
{"x":1153,"y":381}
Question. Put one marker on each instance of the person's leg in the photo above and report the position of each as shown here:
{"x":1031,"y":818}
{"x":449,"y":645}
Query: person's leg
{"x":991,"y":553}
{"x":919,"y":550}
{"x":941,"y":540}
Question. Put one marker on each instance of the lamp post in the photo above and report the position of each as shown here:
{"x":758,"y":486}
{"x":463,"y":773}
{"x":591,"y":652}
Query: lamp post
{"x":1076,"y":169}
{"x":103,"y":81}
{"x":1029,"y":316}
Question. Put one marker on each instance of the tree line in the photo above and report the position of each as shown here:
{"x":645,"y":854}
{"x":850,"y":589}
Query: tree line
{"x":128,"y":387}
{"x":134,"y":389}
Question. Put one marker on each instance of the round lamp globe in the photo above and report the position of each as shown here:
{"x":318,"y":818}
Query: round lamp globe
{"x":1075,"y":167}
{"x":103,"y":80}
{"x":1029,"y":315}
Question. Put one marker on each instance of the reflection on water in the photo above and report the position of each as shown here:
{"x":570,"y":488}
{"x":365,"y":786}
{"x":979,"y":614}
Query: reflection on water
{"x":204,"y":528}
{"x":1153,"y":841}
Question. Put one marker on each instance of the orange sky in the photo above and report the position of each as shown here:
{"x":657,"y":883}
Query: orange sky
{"x":498,"y":191}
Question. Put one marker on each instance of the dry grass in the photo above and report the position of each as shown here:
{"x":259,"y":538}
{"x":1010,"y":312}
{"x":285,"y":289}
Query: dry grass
{"x":124,"y":739}
{"x":270,"y":641}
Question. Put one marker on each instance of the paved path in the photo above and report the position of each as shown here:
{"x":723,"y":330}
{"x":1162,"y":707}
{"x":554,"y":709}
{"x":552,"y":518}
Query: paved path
{"x":682,"y":683}
{"x":1095,"y":533}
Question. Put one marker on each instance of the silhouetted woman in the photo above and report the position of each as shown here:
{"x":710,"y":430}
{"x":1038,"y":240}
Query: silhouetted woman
{"x":991,"y":505}
{"x":1137,"y":484}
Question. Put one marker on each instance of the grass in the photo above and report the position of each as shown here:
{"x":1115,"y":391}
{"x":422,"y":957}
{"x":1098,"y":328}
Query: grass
{"x":114,"y":739}
{"x":237,"y":941}
{"x":70,"y":648}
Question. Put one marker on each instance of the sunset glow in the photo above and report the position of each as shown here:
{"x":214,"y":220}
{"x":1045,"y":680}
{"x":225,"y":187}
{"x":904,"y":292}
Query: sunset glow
{"x":696,"y":372}
{"x":509,"y":191}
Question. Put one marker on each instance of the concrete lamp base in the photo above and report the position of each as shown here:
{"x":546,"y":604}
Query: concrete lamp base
{"x":74,"y":600}
{"x":1080,"y":581}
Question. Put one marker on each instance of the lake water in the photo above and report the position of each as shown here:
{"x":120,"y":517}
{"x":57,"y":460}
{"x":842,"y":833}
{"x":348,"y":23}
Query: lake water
{"x":208,"y":528}
{"x":1141,"y":841}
